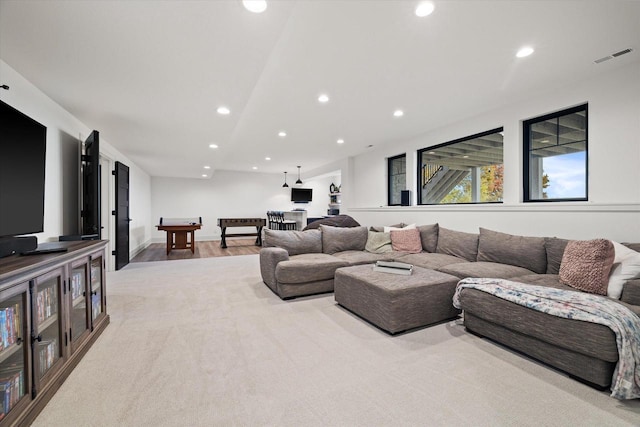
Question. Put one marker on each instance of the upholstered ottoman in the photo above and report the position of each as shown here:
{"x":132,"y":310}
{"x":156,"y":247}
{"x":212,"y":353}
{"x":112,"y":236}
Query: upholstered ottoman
{"x":394,"y":302}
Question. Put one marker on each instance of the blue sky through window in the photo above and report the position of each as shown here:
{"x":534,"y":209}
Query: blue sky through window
{"x":567,"y":175}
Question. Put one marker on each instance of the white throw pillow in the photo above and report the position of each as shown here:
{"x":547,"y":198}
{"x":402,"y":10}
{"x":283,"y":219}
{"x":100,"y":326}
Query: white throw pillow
{"x":626,"y":266}
{"x":406,"y":227}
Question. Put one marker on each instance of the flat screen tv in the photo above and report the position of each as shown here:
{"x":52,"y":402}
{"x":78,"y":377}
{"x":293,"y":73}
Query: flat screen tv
{"x":23,"y":143}
{"x":301,"y":195}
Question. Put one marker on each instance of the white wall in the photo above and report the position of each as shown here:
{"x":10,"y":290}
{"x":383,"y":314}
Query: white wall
{"x":64,"y":135}
{"x":318,"y":207}
{"x":613,"y":210}
{"x":227,"y":194}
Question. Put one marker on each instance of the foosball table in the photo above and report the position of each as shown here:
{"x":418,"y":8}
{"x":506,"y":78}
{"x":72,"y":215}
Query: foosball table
{"x":225,"y":223}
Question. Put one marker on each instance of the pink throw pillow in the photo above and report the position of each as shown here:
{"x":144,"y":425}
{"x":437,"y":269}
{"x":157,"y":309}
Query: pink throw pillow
{"x":407,"y":240}
{"x":586,"y":265}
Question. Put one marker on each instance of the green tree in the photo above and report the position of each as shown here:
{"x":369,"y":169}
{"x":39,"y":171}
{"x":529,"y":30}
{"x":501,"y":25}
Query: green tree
{"x":491,"y":183}
{"x":545,"y":184}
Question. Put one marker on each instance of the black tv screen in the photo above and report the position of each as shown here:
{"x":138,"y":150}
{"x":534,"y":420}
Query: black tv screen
{"x":301,"y":195}
{"x":23,"y":144}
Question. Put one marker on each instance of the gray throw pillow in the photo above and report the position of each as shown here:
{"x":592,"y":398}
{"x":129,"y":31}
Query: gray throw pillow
{"x":294,"y":242}
{"x":378,"y":242}
{"x":457,"y":243}
{"x":338,"y":239}
{"x":429,"y":237}
{"x":521,"y":251}
{"x":555,"y":250}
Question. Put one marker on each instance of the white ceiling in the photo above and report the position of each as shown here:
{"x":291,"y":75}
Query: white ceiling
{"x":149,"y":75}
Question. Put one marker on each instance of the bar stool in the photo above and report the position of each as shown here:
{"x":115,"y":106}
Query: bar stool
{"x":271,"y":218}
{"x":285,"y":224}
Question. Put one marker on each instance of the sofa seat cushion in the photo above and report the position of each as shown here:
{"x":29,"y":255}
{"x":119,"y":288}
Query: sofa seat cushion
{"x":429,"y":260}
{"x":363,"y":257}
{"x":484,"y":269}
{"x":587,"y":338}
{"x":553,"y":281}
{"x":548,"y":280}
{"x":308,"y":268}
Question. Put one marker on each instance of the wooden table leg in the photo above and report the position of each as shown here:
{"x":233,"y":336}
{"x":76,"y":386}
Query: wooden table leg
{"x":193,"y":241}
{"x":259,"y":239}
{"x":169,"y":241}
{"x":224,"y":241}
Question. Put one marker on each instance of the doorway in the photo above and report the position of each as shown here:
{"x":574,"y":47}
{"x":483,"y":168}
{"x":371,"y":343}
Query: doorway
{"x":121,"y":214}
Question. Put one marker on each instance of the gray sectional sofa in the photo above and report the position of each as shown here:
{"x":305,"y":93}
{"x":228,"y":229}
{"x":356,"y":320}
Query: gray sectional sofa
{"x":295,"y":263}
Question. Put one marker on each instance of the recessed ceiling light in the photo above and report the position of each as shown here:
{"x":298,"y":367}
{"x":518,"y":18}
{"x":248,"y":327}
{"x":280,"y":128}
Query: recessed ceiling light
{"x":465,"y":157}
{"x":204,"y":175}
{"x":398,"y":113}
{"x":340,"y":141}
{"x":267,"y":158}
{"x":323,"y":98}
{"x":255,"y":6}
{"x":525,"y":51}
{"x":207,"y":167}
{"x":223,"y":110}
{"x":432,"y":152}
{"x":425,"y":8}
{"x":282,"y":134}
{"x":254,"y":168}
{"x":213,"y":146}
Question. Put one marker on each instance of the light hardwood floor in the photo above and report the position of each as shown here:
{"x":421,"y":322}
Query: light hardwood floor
{"x":204,"y":249}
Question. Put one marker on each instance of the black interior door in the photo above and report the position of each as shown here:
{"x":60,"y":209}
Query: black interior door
{"x":122,"y":215}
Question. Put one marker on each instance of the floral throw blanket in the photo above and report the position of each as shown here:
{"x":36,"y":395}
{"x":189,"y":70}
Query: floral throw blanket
{"x":579,"y":306}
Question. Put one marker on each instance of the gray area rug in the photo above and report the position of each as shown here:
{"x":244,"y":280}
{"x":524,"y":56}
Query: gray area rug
{"x":205,"y":343}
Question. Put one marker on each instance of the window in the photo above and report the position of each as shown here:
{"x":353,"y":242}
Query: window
{"x":467,"y":170}
{"x":555,"y":160}
{"x":397,"y":169}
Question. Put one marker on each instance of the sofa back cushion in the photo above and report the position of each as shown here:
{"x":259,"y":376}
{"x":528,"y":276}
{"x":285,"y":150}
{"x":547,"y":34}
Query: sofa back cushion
{"x":457,"y":243}
{"x":378,"y":242}
{"x":586,"y":265}
{"x":521,"y":251}
{"x":429,"y":237}
{"x":338,"y":239}
{"x":407,"y":240}
{"x":555,"y":249}
{"x":294,"y":242}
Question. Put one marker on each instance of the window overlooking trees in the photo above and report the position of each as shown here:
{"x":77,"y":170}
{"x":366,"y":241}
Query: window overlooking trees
{"x":397,"y":171}
{"x":467,"y":170}
{"x":555,"y":160}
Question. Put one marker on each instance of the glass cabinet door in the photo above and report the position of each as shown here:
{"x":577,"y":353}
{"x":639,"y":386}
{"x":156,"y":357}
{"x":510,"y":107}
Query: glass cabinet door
{"x":47,"y":323}
{"x":78,"y":302}
{"x":13,"y":351}
{"x":97,"y":307}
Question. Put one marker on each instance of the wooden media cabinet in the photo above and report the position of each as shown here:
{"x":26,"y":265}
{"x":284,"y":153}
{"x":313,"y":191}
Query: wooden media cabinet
{"x":53,"y":307}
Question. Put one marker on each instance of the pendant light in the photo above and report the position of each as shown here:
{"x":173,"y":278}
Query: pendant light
{"x":299,"y":181}
{"x":285,"y":181}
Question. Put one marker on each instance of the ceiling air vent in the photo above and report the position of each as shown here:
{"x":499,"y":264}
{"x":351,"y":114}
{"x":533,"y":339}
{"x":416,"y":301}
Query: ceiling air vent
{"x":622,"y":52}
{"x":613,"y":55}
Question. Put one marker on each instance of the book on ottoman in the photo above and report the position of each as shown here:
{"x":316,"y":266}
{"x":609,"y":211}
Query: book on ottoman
{"x":393,"y":267}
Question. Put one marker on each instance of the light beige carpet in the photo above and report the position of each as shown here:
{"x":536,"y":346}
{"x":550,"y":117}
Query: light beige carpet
{"x":205,"y":343}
